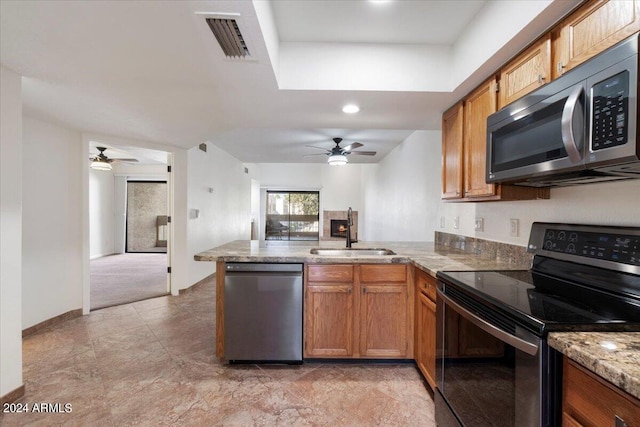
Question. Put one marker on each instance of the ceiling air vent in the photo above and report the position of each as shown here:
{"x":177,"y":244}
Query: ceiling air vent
{"x":229,"y":36}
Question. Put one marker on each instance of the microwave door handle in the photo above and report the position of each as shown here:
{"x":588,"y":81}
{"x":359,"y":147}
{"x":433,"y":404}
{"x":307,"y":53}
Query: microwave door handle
{"x":519,"y":343}
{"x":566,"y":126}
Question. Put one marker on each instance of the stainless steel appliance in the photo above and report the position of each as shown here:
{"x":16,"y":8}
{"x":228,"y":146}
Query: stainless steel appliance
{"x":579,"y":128}
{"x":263,"y":312}
{"x":494,"y":366}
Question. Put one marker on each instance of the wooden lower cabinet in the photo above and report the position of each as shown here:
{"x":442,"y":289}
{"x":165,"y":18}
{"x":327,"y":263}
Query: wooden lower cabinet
{"x":590,"y":401}
{"x":383,"y":321}
{"x":357,"y":311}
{"x":329,"y":320}
{"x":425,"y":346}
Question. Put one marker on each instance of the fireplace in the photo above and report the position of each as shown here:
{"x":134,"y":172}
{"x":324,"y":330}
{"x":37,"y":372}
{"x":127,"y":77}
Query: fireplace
{"x":334,"y":225}
{"x":339,"y":228}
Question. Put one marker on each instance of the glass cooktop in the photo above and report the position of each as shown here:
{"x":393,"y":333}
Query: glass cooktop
{"x":542,"y":303}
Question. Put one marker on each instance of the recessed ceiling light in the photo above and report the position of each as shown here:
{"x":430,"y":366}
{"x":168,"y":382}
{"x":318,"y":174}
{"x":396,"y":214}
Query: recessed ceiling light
{"x":350,"y":109}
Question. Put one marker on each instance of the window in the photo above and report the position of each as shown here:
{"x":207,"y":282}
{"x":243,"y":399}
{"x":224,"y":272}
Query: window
{"x":293,"y":215}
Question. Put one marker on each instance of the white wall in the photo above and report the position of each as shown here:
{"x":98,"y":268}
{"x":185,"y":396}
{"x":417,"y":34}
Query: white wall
{"x":402,"y":201}
{"x":11,"y":231}
{"x":52,"y":221}
{"x":401,"y":194}
{"x":223,"y":214}
{"x":613,"y":203}
{"x":101,"y":213}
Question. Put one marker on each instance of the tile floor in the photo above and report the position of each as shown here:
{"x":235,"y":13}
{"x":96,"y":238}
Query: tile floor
{"x":152,"y":363}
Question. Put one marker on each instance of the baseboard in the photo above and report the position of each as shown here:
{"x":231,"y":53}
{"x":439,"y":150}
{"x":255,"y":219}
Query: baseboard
{"x":209,"y":278}
{"x":51,"y":322}
{"x":12,"y":396}
{"x":91,"y":258}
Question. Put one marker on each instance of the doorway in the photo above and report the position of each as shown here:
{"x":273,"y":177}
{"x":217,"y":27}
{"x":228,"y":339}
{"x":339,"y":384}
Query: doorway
{"x":147,"y":215}
{"x":129,"y":220}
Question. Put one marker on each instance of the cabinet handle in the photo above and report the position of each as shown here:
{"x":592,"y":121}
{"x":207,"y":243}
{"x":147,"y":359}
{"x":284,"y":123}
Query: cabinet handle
{"x":364,"y":290}
{"x":620,"y":422}
{"x":349,"y":291}
{"x":560,"y":68}
{"x":541,"y":79}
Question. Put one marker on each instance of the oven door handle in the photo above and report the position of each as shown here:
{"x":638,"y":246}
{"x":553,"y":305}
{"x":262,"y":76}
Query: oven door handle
{"x":519,"y":343}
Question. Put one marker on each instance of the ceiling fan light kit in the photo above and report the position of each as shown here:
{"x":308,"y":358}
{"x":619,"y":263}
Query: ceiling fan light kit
{"x":100,"y":165}
{"x":337,"y":160}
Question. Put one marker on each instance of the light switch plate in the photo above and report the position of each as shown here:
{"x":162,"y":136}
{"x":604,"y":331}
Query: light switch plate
{"x":456,"y":222}
{"x":479,"y":224}
{"x":514,"y":227}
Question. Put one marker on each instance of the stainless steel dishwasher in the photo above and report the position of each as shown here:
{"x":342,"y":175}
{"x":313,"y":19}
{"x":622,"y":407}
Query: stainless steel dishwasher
{"x":263,"y":312}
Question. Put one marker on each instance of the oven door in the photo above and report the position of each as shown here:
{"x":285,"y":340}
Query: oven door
{"x":486,"y":376}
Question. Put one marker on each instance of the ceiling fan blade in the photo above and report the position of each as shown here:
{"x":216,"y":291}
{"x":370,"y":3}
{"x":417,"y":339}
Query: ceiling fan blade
{"x":124,"y":160}
{"x":351,"y":146}
{"x":319,"y":148}
{"x":363,"y":153}
{"x":319,"y":154}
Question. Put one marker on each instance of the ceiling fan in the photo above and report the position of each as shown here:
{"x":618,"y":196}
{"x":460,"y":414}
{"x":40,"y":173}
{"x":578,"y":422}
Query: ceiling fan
{"x":102,"y":162}
{"x":338,"y":155}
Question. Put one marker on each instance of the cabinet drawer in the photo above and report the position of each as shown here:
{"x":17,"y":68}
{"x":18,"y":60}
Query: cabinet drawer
{"x":372,"y":273}
{"x":334,"y":273}
{"x":426,"y":284}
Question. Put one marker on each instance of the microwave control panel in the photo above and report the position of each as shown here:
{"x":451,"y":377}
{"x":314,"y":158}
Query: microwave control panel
{"x":610,"y":112}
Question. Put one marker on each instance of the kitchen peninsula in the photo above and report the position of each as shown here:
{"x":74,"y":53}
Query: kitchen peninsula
{"x":379,"y":288}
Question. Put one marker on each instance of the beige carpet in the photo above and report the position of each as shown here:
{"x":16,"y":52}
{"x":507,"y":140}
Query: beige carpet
{"x":125,"y":278}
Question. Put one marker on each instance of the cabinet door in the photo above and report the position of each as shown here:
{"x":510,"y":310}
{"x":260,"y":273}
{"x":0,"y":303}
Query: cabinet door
{"x":527,"y":72}
{"x":328,"y":320}
{"x":478,"y":106}
{"x":383,"y":320}
{"x":426,"y":333}
{"x":452,"y":130}
{"x":593,"y":28}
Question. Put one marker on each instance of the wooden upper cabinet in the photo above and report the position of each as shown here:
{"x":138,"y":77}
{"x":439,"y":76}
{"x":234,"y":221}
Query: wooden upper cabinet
{"x":530,"y":70}
{"x":452,"y":131}
{"x":593,"y":28}
{"x":477,"y":107}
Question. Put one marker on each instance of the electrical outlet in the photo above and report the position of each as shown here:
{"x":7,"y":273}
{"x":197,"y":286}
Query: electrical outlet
{"x":479,"y":224}
{"x":456,"y":222}
{"x":514,"y":227}
{"x":441,"y":222}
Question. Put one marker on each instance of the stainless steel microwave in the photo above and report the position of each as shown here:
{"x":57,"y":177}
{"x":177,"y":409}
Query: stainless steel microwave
{"x":579,"y":128}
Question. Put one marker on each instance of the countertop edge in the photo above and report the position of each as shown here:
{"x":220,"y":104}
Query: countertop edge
{"x":614,"y":356}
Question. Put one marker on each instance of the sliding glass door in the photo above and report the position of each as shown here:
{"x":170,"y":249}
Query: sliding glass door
{"x":292,"y":215}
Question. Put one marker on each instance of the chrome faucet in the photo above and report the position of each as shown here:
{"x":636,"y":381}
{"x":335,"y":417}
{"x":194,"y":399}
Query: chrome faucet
{"x":349,"y":224}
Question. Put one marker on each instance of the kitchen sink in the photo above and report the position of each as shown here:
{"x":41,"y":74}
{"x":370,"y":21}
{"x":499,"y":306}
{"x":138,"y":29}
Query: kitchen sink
{"x":351,"y":251}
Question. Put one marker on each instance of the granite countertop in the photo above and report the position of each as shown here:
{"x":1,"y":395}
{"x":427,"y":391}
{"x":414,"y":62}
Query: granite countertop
{"x":614,"y":356}
{"x":427,"y":256}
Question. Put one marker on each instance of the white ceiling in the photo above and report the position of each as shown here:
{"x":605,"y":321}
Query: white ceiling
{"x":152,"y":71}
